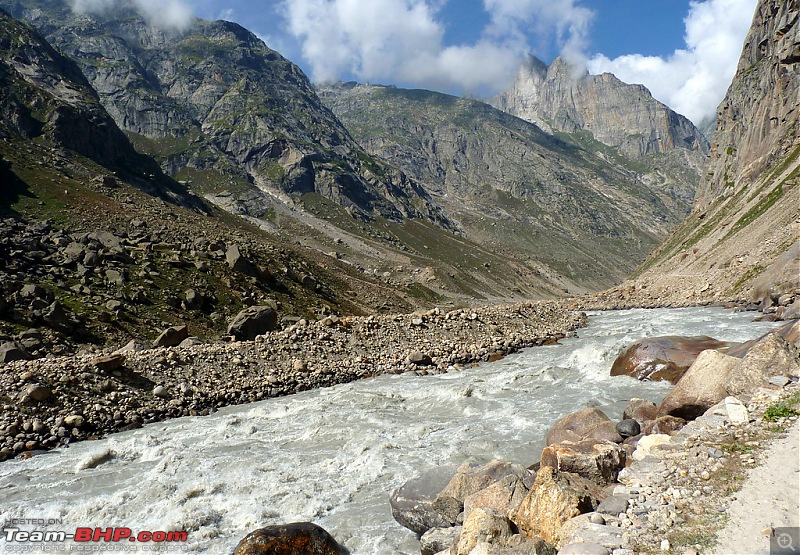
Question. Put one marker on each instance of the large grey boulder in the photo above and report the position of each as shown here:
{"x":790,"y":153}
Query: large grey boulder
{"x":252,"y":322}
{"x":701,"y":387}
{"x":771,"y":356}
{"x":413,"y":503}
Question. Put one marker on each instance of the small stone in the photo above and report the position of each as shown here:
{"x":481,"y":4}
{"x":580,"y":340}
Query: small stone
{"x":74,"y":421}
{"x":108,"y":363}
{"x":779,"y":381}
{"x":419,"y":358}
{"x":665,"y":545}
{"x":628,"y":428}
{"x":171,"y":337}
{"x":597,"y":518}
{"x":38,"y":392}
{"x":299,"y":366}
{"x":161,"y":391}
{"x":705,"y":475}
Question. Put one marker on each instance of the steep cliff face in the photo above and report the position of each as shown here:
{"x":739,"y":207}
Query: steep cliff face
{"x":758,"y":118}
{"x":45,"y":94}
{"x":44,"y":97}
{"x":742,"y":236}
{"x":568,"y":202}
{"x":215,"y":106}
{"x":559,"y":98}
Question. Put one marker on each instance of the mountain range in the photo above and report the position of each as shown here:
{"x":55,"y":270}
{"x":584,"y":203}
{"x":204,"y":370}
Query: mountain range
{"x":562,"y":184}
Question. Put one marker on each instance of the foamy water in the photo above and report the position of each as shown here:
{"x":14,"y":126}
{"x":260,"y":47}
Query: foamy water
{"x":332,"y":456}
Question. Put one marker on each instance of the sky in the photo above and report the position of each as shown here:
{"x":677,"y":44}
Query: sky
{"x":684,"y":51}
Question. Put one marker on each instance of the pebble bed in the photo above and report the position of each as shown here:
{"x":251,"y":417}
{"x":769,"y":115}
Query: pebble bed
{"x":52,"y":402}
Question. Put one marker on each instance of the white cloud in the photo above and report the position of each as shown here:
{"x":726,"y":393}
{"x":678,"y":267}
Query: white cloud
{"x":564,"y":22}
{"x":691,"y":81}
{"x":402,"y":40}
{"x":166,"y":14}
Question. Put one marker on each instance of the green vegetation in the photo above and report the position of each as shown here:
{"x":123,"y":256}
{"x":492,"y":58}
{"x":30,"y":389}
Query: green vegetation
{"x":783,"y":409}
{"x":758,"y":210}
{"x":748,"y":277}
{"x":736,"y":448}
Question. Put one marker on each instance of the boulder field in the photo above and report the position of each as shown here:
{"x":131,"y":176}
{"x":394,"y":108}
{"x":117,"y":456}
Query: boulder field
{"x":615,"y":487}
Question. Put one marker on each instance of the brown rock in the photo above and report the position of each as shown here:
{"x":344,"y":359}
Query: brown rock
{"x":575,"y":426}
{"x":640,"y":410}
{"x":419,"y":358}
{"x":171,"y":337}
{"x":107,"y":363}
{"x":663,"y":358}
{"x":702,"y":387}
{"x":771,"y":356}
{"x":664,"y":425}
{"x":301,"y":538}
{"x":605,"y":431}
{"x":554,"y":498}
{"x":38,"y":392}
{"x":599,"y":462}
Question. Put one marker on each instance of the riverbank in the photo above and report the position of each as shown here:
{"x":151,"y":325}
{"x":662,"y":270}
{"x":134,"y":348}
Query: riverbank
{"x":723,"y":484}
{"x":52,"y":402}
{"x":643,"y":480}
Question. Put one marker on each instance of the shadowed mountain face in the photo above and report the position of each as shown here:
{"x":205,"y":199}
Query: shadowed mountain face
{"x":46,"y":99}
{"x":214,"y":105}
{"x":742,"y":236}
{"x":577,"y":205}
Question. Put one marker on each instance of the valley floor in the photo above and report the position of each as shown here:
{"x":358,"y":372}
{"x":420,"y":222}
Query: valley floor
{"x":55,"y":401}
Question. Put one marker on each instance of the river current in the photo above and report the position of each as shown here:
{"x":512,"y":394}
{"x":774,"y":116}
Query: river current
{"x":331,"y":456}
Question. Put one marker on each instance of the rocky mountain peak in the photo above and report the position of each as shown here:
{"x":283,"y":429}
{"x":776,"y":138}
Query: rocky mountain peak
{"x":563,"y":98}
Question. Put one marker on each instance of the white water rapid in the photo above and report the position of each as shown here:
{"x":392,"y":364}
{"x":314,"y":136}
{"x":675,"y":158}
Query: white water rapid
{"x":332,"y":456}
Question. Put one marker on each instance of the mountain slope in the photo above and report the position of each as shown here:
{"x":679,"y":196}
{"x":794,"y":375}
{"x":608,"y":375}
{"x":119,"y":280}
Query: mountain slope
{"x":45,"y":97}
{"x":742,"y":236}
{"x":214,"y":104}
{"x":568,"y":202}
{"x":97,"y":246}
{"x":241,"y":125}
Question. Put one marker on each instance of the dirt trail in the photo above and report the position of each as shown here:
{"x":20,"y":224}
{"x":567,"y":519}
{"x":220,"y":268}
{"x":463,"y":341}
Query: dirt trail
{"x":770,"y":498}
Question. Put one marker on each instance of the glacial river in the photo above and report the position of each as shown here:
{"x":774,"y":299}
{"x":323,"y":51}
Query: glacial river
{"x":332,"y":456}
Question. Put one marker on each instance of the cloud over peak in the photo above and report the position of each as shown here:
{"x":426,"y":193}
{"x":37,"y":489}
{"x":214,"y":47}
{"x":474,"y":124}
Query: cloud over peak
{"x":165,"y":14}
{"x":403,"y":40}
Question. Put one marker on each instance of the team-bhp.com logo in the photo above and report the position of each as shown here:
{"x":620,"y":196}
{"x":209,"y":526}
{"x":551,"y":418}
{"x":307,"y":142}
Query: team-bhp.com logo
{"x":91,"y":538}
